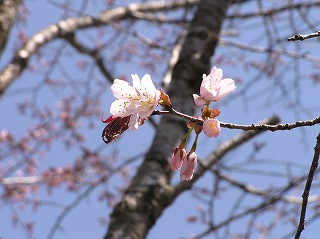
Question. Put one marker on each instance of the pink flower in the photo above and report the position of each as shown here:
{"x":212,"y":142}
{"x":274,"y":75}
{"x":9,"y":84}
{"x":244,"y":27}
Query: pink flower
{"x":213,"y":87}
{"x":211,"y":127}
{"x":188,"y":166}
{"x":178,"y":155}
{"x":138,"y":100}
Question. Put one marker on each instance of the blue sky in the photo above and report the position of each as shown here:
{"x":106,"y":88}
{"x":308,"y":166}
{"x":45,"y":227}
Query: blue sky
{"x":83,"y":221}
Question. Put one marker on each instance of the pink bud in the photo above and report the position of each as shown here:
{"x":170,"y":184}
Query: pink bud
{"x":188,"y":166}
{"x":211,"y":127}
{"x":177,"y":158}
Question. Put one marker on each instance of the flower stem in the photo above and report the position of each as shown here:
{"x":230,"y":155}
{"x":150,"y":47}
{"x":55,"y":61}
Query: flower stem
{"x":184,"y":140}
{"x":194,"y":146}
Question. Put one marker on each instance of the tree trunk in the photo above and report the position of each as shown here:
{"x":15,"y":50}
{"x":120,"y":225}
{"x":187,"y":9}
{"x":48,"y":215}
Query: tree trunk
{"x":150,"y":192}
{"x":8,"y":11}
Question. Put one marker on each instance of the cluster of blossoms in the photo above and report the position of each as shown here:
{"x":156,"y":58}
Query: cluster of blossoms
{"x":134,"y":104}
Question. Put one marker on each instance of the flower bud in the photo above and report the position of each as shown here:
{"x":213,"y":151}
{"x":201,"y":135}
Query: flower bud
{"x":214,"y":112}
{"x":165,"y":100}
{"x":188,"y":166}
{"x":177,"y":158}
{"x":210,"y":113}
{"x":211,"y":127}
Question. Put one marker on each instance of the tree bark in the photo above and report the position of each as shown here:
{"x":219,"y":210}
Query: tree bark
{"x":150,"y":191}
{"x":8,"y":12}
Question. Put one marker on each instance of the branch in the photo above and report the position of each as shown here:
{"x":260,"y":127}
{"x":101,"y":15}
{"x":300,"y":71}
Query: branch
{"x":272,"y":127}
{"x":305,"y":195}
{"x":69,"y":208}
{"x":64,"y":27}
{"x":259,"y":192}
{"x":21,"y":180}
{"x":93,"y":53}
{"x":274,"y":11}
{"x":253,"y":209}
{"x":256,"y":127}
{"x":294,"y":55}
{"x":299,"y":37}
{"x":219,"y":153}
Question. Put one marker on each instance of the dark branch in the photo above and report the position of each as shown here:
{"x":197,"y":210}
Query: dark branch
{"x":305,"y":195}
{"x":256,"y":127}
{"x":272,"y":127}
{"x":93,"y":53}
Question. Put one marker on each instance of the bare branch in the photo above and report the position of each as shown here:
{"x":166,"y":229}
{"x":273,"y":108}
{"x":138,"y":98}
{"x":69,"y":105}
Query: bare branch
{"x":64,"y":27}
{"x":274,"y":11}
{"x":251,"y":210}
{"x":93,"y":53}
{"x":305,"y":195}
{"x":294,"y":55}
{"x":69,"y":208}
{"x":257,"y":191}
{"x":245,"y":127}
{"x":157,"y":18}
{"x":299,"y":37}
{"x":272,"y":127}
{"x":21,"y":180}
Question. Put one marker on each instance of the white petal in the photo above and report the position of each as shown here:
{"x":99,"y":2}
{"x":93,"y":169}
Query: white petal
{"x":226,"y":87}
{"x":156,"y":97}
{"x":122,"y":89}
{"x":147,"y":85}
{"x":122,"y":108}
{"x":136,"y":82}
{"x":118,"y":108}
{"x":198,"y":100}
{"x":146,"y":113}
{"x":215,"y":75}
{"x":133,"y":123}
{"x":205,"y":80}
{"x":209,"y":91}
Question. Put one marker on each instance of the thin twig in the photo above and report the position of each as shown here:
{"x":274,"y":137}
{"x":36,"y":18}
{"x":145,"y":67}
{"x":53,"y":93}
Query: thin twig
{"x":272,"y":127}
{"x":260,"y":49}
{"x":257,"y":191}
{"x":273,"y":11}
{"x":251,"y":210}
{"x":255,"y":127}
{"x":305,"y":195}
{"x":299,"y":37}
{"x":93,"y":53}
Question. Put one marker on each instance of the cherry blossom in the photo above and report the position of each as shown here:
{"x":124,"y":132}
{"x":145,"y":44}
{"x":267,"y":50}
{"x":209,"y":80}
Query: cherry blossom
{"x":213,"y":87}
{"x":137,"y":101}
{"x":211,"y":127}
{"x":188,"y":166}
{"x":134,"y":104}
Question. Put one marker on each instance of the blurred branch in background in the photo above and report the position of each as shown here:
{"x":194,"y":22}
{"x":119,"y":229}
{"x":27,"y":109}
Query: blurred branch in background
{"x":61,"y":58}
